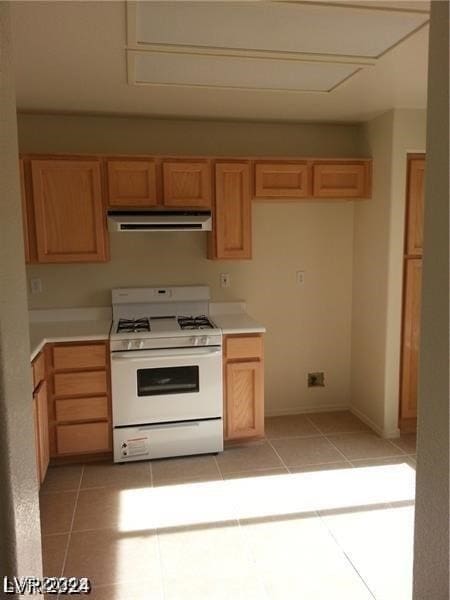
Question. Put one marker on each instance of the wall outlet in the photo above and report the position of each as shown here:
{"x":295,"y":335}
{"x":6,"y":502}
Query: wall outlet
{"x":35,"y":285}
{"x":300,"y":277}
{"x":316,"y":379}
{"x":225,"y":280}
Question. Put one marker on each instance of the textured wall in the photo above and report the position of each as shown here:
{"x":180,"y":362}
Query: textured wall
{"x":20,"y":548}
{"x":431,"y":556}
{"x":312,"y":322}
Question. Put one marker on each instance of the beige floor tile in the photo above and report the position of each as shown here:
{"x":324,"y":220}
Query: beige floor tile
{"x":342,"y":421}
{"x":53,"y":552}
{"x":289,"y":426}
{"x":306,"y":451}
{"x":209,"y":552}
{"x":97,"y":509}
{"x":298,"y":558}
{"x":219,"y":588}
{"x":123,"y":509}
{"x":145,"y":590}
{"x":62,"y":479}
{"x":363,"y":445}
{"x":327,"y":467}
{"x":183,"y":469}
{"x":380,"y":544}
{"x":105,"y":474}
{"x":407,"y":442}
{"x":246,"y":458}
{"x":113,"y":557}
{"x":256,"y":473}
{"x":57,"y":511}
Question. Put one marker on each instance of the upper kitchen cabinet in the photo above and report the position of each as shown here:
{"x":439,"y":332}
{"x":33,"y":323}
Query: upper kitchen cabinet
{"x":337,"y":179}
{"x":415,"y":206}
{"x":68,"y":210}
{"x":187,"y":183}
{"x":132,"y":183}
{"x":232,"y":227}
{"x":282,"y":180}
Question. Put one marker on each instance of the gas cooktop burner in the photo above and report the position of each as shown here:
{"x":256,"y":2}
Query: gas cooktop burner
{"x":201,"y":322}
{"x":133,"y":325}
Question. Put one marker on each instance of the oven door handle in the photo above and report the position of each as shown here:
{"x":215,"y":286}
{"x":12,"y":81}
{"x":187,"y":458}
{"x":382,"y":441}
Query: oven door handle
{"x":168,"y":353}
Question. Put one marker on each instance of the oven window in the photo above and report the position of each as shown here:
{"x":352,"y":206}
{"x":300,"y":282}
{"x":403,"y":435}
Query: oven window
{"x":167,"y":380}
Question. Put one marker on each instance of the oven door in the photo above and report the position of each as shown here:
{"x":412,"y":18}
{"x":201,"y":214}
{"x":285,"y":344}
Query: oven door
{"x":158,"y":386}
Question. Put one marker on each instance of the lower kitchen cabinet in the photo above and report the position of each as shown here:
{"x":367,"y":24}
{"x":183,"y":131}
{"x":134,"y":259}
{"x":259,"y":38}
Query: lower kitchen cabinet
{"x":80,"y":419}
{"x":243,"y":386}
{"x":40,"y":415}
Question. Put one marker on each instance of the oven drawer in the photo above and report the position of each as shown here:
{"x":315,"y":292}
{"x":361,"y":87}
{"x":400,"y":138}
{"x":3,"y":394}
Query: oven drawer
{"x":80,"y":357}
{"x":83,"y":438}
{"x":81,"y":384}
{"x":168,"y":439}
{"x":237,"y":347}
{"x":82,"y":409}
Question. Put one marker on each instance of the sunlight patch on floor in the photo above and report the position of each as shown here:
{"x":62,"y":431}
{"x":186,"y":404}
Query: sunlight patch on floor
{"x":220,"y":501}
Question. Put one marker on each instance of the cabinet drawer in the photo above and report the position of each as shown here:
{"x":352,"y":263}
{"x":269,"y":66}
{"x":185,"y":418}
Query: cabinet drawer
{"x":88,"y":437}
{"x":243,"y":347}
{"x":85,"y":356}
{"x":82,"y":409}
{"x":38,"y":370}
{"x":81,"y":384}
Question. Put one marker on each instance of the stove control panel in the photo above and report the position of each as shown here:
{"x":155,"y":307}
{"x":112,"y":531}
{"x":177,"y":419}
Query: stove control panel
{"x":199,"y":340}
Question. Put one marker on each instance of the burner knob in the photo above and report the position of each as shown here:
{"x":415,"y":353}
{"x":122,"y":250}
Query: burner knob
{"x":129,"y":345}
{"x":141,"y":344}
{"x":194,"y":341}
{"x":203,"y":341}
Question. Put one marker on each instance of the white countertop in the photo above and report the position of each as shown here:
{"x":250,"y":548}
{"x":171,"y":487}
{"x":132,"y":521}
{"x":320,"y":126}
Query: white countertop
{"x":90,"y":324}
{"x":237,"y":323}
{"x":42,"y":333}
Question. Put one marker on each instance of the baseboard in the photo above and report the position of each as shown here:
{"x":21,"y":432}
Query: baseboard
{"x":305,"y":410}
{"x":380,"y":430}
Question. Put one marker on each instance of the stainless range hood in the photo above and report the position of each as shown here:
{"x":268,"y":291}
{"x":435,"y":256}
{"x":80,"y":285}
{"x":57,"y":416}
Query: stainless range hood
{"x":159,"y":220}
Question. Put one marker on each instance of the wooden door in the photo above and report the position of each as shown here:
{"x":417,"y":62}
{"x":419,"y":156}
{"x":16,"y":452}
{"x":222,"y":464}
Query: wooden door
{"x":132,"y":183}
{"x":232,"y":218}
{"x":245,"y":399}
{"x":43,"y":439}
{"x":415,"y":206}
{"x":341,"y":180}
{"x":187,"y":184}
{"x":283,"y":180}
{"x":68,"y":205}
{"x":411,"y":338}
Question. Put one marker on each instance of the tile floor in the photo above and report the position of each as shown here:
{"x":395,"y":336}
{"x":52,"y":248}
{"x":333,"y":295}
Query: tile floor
{"x":321,"y":509}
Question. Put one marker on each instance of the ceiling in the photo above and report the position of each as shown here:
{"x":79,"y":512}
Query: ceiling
{"x":252,"y":60}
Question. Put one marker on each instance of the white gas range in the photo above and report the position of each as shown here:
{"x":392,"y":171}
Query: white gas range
{"x":166,"y":372}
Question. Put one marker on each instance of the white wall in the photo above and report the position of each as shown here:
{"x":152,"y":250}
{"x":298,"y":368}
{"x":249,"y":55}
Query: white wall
{"x":308,"y":328}
{"x":20,"y":540}
{"x":378,"y":270}
{"x":431,"y":542}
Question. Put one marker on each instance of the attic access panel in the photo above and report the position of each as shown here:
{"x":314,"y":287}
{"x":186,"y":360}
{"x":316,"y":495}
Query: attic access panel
{"x":306,"y":28}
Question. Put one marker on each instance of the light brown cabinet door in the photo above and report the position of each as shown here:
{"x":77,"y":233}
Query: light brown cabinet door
{"x":341,"y":180}
{"x":232,"y":218}
{"x":244,"y":399}
{"x":42,"y":420}
{"x":415,"y":207}
{"x":187,"y":184}
{"x":68,"y":206}
{"x":411,"y":338}
{"x":26,"y":231}
{"x":36,"y":438}
{"x":282,"y":180}
{"x":132,"y":183}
